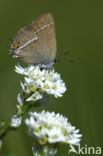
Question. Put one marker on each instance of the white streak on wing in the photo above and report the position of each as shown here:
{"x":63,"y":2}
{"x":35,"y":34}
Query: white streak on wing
{"x":30,"y":41}
{"x":45,"y":26}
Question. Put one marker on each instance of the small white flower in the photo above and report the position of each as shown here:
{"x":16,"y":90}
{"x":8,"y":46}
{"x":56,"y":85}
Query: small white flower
{"x":42,"y":81}
{"x":52,"y":128}
{"x":20,"y":99}
{"x":55,"y":88}
{"x":16,"y":121}
{"x":24,"y":71}
{"x":34,"y":97}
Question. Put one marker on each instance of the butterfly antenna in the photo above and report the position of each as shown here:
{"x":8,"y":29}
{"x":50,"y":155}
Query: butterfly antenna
{"x":63,"y":61}
{"x":71,"y":61}
{"x":65,"y":53}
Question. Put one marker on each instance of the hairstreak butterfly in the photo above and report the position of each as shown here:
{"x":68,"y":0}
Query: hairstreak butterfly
{"x":36,"y":43}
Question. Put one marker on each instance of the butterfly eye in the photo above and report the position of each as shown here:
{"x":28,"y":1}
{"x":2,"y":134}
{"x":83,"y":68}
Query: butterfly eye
{"x":15,"y":46}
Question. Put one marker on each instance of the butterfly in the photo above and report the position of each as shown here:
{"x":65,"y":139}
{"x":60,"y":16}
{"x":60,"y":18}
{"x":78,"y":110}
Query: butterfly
{"x":36,"y":43}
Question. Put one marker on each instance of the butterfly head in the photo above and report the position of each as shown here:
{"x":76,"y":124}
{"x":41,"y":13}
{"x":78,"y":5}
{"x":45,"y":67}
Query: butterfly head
{"x":14,"y":49}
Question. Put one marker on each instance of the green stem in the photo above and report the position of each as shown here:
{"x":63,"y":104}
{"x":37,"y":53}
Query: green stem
{"x":24,"y":109}
{"x":20,"y":112}
{"x":5,"y":131}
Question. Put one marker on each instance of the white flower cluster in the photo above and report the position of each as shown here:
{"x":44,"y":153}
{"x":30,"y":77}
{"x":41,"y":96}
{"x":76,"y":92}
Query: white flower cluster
{"x":16,"y":121}
{"x":52,"y":128}
{"x":39,"y":81}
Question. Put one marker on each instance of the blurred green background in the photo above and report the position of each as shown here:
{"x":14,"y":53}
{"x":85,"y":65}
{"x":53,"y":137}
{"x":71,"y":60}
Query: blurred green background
{"x":79,"y":29}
